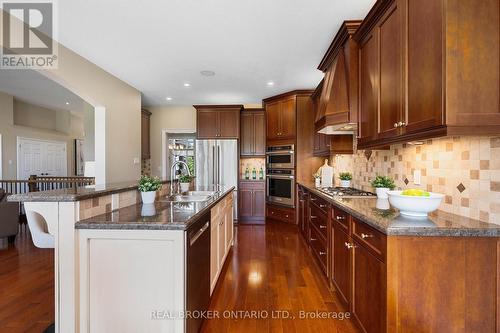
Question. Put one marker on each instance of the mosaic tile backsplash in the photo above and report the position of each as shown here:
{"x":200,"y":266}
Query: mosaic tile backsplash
{"x":465,"y":169}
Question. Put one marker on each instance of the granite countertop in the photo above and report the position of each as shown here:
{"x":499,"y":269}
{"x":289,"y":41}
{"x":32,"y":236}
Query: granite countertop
{"x":391,"y":223}
{"x":163,"y":215}
{"x":76,"y":194}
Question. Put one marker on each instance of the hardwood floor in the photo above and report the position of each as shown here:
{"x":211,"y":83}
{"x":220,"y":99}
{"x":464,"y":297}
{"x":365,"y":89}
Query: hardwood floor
{"x":26,"y":287}
{"x":270,"y":269}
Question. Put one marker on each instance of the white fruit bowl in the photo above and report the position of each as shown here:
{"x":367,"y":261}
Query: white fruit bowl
{"x":414,"y":206}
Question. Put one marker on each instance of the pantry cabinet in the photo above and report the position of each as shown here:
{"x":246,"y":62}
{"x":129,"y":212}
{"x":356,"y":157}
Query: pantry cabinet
{"x":427,"y":69}
{"x":218,"y":121}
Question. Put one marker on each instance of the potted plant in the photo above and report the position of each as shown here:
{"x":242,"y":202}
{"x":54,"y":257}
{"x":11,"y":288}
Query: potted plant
{"x":382,"y":184}
{"x":148,"y":187}
{"x":185,"y":181}
{"x":345,"y":179}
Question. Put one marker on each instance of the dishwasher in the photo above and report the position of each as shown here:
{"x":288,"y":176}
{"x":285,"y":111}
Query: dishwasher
{"x":197,"y":273}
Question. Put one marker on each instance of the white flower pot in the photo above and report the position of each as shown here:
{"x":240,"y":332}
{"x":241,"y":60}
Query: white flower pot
{"x":185,"y":187}
{"x":345,"y":183}
{"x":317,"y":182}
{"x":148,"y":197}
{"x":382,"y":192}
{"x":383,"y":204}
{"x":148,"y":209}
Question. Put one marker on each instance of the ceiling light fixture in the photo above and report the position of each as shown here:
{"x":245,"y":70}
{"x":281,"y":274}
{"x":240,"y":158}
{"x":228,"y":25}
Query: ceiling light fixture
{"x":67,"y":103}
{"x":187,"y":84}
{"x":207,"y":73}
{"x":168,"y":98}
{"x":270,"y":83}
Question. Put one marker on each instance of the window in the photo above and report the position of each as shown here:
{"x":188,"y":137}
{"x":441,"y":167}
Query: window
{"x":181,"y":147}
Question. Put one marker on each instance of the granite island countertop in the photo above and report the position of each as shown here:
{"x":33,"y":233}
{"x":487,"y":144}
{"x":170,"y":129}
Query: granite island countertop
{"x":76,"y":194}
{"x":162,"y":215}
{"x":391,"y":223}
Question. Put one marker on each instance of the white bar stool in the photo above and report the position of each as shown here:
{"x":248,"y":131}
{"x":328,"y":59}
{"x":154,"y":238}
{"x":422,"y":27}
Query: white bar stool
{"x":39,"y":231}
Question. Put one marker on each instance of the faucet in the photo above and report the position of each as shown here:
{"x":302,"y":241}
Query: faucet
{"x":172,"y":176}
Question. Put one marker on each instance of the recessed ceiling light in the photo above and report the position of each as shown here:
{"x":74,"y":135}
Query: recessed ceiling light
{"x":270,"y":83}
{"x":67,"y":103}
{"x":207,"y":73}
{"x":187,"y":84}
{"x":168,"y":98}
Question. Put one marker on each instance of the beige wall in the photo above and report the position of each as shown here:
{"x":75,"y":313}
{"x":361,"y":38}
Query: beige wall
{"x":10,"y":131}
{"x":445,"y":163}
{"x":168,"y":118}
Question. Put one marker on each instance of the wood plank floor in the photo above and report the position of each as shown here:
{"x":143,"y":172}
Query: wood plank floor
{"x":270,"y":269}
{"x":26,"y":287}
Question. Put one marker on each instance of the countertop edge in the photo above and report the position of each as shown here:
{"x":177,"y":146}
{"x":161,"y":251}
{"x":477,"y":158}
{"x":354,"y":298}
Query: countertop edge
{"x":406,"y":231}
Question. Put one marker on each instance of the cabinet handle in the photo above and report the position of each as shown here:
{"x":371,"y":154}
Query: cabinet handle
{"x":401,"y":124}
{"x":322,"y":206}
{"x":366,"y":235}
{"x":313,"y":217}
{"x":396,"y":125}
{"x":340,"y":217}
{"x":286,"y":216}
{"x":313,"y":199}
{"x":322,"y":253}
{"x":322,"y":226}
{"x":349,"y":246}
{"x":313,"y":239}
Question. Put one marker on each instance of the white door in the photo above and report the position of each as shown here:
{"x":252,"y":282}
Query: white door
{"x":41,"y":158}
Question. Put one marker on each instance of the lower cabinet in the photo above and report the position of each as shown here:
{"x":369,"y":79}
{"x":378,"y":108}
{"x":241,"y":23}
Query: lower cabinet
{"x":252,"y":201}
{"x":303,"y":212}
{"x":221,"y":236}
{"x":340,"y":273}
{"x":280,"y":213}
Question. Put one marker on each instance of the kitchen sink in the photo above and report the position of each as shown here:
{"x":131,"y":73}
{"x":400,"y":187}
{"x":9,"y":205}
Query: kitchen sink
{"x":208,"y":193}
{"x":188,"y":198}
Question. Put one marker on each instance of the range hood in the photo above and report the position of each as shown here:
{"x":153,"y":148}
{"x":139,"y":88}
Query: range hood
{"x":337,"y":94}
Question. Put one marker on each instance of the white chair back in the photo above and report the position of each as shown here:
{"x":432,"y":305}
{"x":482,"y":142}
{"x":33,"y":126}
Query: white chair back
{"x":39,"y":231}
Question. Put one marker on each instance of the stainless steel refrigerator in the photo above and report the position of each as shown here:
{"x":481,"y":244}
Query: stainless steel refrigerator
{"x":217,"y":164}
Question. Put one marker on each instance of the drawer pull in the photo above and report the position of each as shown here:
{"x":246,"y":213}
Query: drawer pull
{"x":322,"y":253}
{"x":286,"y":216}
{"x":313,"y":199}
{"x":366,"y":235}
{"x":313,"y":239}
{"x":322,"y":226}
{"x":340,"y":217}
{"x":313,"y":217}
{"x":349,"y":245}
{"x":272,"y":213}
{"x":322,"y":206}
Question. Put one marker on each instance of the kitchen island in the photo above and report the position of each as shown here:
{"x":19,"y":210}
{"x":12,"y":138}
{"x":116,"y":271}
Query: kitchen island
{"x":397,"y":274}
{"x":127,"y":267}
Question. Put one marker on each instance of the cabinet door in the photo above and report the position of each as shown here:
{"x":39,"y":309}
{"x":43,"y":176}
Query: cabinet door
{"x":341,"y":262}
{"x":301,"y":208}
{"x":287,"y":119}
{"x":214,"y":254}
{"x":273,"y":120}
{"x":207,"y":124}
{"x":259,"y":203}
{"x":425,"y":64}
{"x":247,"y":142}
{"x":246,"y":202}
{"x":222,"y":240}
{"x":259,"y":133}
{"x":368,"y":97}
{"x":229,"y":124}
{"x":369,"y":289}
{"x":145,"y":142}
{"x":391,"y":78}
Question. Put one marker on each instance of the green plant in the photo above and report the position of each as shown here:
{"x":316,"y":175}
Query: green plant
{"x":384,"y":182}
{"x":148,"y":184}
{"x":185,"y":178}
{"x":345,"y":176}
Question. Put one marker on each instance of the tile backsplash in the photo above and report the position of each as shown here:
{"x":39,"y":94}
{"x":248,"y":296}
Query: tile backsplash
{"x":251,"y":163}
{"x":465,"y":169}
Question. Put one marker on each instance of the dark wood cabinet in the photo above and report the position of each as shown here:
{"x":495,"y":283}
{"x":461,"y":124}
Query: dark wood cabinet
{"x":251,"y":201}
{"x":340,"y":261}
{"x":253,"y":135}
{"x":303,"y":212}
{"x":422,"y":75}
{"x":321,"y":144}
{"x":218,"y":121}
{"x":280,"y":213}
{"x":145,"y":134}
{"x":280,"y":119}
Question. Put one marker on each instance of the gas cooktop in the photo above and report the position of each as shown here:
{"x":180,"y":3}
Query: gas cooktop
{"x":346,"y":192}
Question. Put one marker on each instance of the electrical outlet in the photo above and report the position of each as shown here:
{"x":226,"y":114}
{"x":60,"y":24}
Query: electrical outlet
{"x":136,"y":160}
{"x":417,"y":177}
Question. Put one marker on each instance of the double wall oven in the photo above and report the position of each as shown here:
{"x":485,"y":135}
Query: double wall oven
{"x":280,"y":161}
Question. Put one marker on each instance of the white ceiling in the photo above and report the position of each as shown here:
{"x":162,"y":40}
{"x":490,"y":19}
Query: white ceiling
{"x":157,"y":46}
{"x":34,"y":88}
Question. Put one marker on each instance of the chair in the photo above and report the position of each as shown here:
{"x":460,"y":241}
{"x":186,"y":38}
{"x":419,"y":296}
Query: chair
{"x":39,"y":231}
{"x":9,"y":218}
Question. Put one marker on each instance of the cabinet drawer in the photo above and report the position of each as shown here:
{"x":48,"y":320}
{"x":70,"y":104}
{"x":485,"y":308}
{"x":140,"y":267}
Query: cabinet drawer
{"x":280,"y":213}
{"x":320,"y":203}
{"x":373,"y":240}
{"x":342,"y":218}
{"x":318,"y":248}
{"x":319,"y":219}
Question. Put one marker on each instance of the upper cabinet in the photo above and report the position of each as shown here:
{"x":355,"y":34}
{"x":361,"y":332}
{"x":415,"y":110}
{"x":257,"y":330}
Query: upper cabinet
{"x":280,"y":118}
{"x":145,"y":134}
{"x":218,"y":121}
{"x":428,"y":68}
{"x":337,"y":105}
{"x":253,"y":133}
